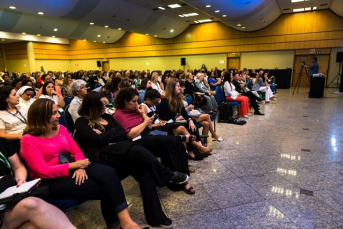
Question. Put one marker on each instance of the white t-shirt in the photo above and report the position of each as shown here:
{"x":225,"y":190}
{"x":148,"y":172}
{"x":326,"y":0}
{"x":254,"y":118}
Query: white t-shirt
{"x":53,"y":98}
{"x":11,"y":122}
{"x":156,"y":87}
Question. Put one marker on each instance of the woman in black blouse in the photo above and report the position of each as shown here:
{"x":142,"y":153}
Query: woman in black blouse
{"x":103,"y":140}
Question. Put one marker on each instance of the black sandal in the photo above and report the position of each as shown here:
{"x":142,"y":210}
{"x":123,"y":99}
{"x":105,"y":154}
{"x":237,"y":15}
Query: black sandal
{"x":191,"y":138}
{"x":189,"y":190}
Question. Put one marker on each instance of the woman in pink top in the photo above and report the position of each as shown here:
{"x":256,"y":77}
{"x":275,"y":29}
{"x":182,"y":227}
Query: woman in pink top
{"x":45,"y":139}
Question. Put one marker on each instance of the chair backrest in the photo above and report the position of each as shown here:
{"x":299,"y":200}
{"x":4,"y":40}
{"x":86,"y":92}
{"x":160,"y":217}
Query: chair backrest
{"x":68,"y":120}
{"x":189,"y":99}
{"x":219,"y":95}
{"x":68,"y":100}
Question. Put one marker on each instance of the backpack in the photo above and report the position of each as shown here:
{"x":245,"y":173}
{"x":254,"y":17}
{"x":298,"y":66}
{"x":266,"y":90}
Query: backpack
{"x":226,"y":114}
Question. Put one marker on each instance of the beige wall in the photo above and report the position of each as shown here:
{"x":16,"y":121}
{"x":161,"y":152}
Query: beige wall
{"x":76,"y":65}
{"x":267,"y":60}
{"x":18,"y":65}
{"x":334,"y":67}
{"x":168,"y":63}
{"x":52,"y":65}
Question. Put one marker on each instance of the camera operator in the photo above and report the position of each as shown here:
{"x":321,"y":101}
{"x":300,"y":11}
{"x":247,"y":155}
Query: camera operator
{"x":314,"y":67}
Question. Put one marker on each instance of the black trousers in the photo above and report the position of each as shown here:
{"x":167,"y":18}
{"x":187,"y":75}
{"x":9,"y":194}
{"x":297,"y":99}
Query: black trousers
{"x":102,"y":184}
{"x":144,"y":167}
{"x":169,"y":148}
{"x":252,"y":99}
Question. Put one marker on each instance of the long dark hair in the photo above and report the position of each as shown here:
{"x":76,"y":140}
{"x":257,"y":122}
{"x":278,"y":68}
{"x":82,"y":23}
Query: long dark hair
{"x":5,"y":92}
{"x":227,"y":77}
{"x":144,"y":82}
{"x":92,"y":106}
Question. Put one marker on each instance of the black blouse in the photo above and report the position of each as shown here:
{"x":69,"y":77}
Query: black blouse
{"x":91,"y":142}
{"x":7,"y":151}
{"x":166,"y":115}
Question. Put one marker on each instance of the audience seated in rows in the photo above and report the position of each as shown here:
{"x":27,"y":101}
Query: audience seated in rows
{"x":169,"y":148}
{"x":45,"y":139}
{"x":102,"y":139}
{"x":202,"y":118}
{"x":211,"y":102}
{"x":261,"y":86}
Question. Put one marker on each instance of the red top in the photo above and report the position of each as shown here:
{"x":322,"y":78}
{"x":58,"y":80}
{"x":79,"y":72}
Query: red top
{"x":128,"y":119}
{"x":41,"y":154}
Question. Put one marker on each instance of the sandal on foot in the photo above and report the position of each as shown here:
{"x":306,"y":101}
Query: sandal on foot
{"x":195,"y":158}
{"x":205,"y":150}
{"x":219,"y":139}
{"x":189,"y":190}
{"x":191,"y":169}
{"x":191,"y":138}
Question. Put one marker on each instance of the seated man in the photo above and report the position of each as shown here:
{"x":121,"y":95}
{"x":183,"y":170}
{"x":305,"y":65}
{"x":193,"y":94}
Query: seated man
{"x":106,"y":91}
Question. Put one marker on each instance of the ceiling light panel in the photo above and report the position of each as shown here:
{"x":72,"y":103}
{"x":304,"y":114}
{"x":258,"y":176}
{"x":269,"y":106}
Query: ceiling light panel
{"x":298,"y":10}
{"x":297,"y":1}
{"x":205,"y":20}
{"x":174,"y":6}
{"x":161,"y":8}
{"x":189,"y":15}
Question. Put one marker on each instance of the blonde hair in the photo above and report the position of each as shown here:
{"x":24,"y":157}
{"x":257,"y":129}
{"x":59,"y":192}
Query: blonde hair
{"x":187,"y":76}
{"x":154,"y":75}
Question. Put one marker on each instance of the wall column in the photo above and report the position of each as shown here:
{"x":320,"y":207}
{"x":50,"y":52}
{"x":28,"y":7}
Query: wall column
{"x":31,"y":56}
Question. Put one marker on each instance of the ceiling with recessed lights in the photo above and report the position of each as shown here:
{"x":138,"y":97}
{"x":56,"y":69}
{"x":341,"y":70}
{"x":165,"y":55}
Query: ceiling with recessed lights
{"x":107,"y":20}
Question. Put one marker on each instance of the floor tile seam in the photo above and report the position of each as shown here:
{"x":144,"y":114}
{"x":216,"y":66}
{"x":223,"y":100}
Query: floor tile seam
{"x":268,"y":202}
{"x":283,"y":212}
{"x":332,"y":208}
{"x":222,"y":179}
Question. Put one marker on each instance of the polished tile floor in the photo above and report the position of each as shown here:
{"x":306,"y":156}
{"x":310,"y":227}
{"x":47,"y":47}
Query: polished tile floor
{"x":281,"y":170}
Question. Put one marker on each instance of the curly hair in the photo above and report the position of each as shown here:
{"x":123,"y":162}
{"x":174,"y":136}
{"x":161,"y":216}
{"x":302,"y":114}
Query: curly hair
{"x":125,"y":94}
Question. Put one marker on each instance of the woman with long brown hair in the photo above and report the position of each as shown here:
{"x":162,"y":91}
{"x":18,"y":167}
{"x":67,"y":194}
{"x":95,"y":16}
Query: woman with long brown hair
{"x":172,"y":109}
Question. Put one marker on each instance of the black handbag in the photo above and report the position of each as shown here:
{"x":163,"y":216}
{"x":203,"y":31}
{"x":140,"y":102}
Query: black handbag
{"x":66,"y":157}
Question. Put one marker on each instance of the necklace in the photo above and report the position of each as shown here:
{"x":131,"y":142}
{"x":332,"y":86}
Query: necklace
{"x":20,"y":117}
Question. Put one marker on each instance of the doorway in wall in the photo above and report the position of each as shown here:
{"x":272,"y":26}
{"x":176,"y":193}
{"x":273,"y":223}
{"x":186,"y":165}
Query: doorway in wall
{"x":105,"y":66}
{"x":233,"y":62}
{"x":323,"y":62}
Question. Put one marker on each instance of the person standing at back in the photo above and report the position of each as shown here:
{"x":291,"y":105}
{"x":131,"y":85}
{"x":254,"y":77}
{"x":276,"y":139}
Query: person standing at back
{"x":314,"y":67}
